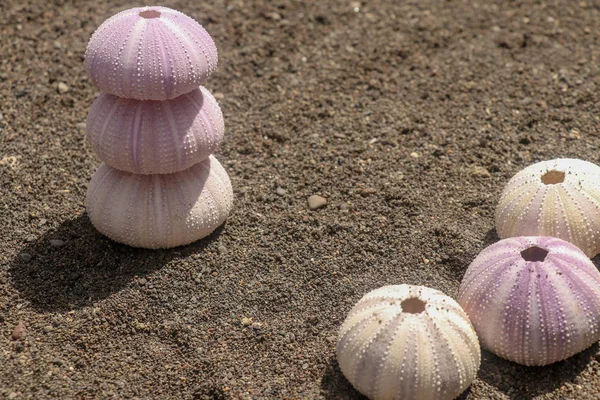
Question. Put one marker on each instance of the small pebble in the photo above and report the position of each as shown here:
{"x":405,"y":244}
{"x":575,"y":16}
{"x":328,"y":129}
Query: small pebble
{"x":280,"y":191}
{"x":414,"y":154}
{"x":315,"y":202}
{"x":62,"y":87}
{"x":19,"y":332}
{"x":256,"y":325}
{"x":142,"y":281}
{"x":246,"y":321}
{"x":344,"y":207}
{"x":26,"y":257}
{"x":57,"y":243}
{"x":48,"y":328}
{"x":480,"y":172}
{"x":222,"y":249}
{"x":80,"y":125}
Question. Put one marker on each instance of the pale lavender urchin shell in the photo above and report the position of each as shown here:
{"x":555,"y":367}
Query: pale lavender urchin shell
{"x":533,"y":300}
{"x":559,"y":198}
{"x":408,"y":342}
{"x":150,"y":53}
{"x":155,"y":137}
{"x":159,"y":211}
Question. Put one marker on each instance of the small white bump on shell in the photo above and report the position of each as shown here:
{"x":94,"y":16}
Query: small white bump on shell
{"x":559,"y":198}
{"x":155,"y":137}
{"x":163,"y":210}
{"x":408,"y":342}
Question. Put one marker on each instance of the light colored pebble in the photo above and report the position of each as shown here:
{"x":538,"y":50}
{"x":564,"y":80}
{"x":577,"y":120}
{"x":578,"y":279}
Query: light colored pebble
{"x":62,"y":87}
{"x":315,"y":202}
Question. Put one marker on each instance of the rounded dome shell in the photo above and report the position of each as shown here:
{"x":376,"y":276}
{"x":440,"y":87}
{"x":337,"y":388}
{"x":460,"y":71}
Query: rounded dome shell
{"x":533,"y":300}
{"x":159,"y":211}
{"x":150,"y":53}
{"x":559,"y":198}
{"x":155,"y":137}
{"x":408,"y":342}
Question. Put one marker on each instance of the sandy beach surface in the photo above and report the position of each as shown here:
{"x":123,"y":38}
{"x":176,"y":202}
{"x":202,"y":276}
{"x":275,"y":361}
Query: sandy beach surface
{"x":409,"y":117}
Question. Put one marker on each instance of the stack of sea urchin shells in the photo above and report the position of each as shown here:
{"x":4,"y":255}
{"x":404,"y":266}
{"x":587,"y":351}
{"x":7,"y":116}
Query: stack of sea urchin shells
{"x":155,"y":128}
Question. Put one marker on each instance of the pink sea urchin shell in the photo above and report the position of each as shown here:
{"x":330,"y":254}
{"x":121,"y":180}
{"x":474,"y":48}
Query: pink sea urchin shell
{"x":152,"y":137}
{"x":408,"y":342}
{"x":533,"y":300}
{"x":150,"y":53}
{"x":559,"y":198}
{"x":159,"y":211}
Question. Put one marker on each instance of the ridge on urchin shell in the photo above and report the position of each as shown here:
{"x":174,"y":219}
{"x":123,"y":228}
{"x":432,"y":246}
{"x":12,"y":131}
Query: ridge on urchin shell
{"x":533,"y":300}
{"x":155,"y":137}
{"x":150,"y":53}
{"x":405,"y":342}
{"x":159,"y":211}
{"x":559,"y":198}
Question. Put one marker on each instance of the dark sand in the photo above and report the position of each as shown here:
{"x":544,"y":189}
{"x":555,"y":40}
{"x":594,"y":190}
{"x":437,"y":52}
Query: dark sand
{"x":410,"y":117}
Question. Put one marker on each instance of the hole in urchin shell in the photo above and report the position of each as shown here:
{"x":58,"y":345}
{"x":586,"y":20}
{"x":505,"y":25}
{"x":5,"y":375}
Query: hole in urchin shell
{"x":413,"y":306}
{"x":553,"y":177}
{"x":534,"y":253}
{"x":149,"y":14}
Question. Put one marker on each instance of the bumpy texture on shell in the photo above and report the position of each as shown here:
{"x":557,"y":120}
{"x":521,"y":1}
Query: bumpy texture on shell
{"x":389,"y":351}
{"x":155,"y":137}
{"x":150,"y":53}
{"x":533,"y":312}
{"x":159,"y":211}
{"x":559,"y":198}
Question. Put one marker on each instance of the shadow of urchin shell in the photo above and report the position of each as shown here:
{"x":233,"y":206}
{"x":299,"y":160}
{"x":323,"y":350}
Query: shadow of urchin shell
{"x":404,"y":342}
{"x":533,"y":300}
{"x":559,"y":198}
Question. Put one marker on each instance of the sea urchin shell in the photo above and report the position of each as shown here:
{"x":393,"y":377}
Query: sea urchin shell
{"x":150,"y":53}
{"x":155,"y":137}
{"x":408,"y":342}
{"x":159,"y":211}
{"x":533,"y":300}
{"x":559,"y":198}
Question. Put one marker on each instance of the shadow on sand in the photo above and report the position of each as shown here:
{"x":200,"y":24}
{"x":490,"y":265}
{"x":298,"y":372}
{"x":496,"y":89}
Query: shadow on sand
{"x":87,"y":268}
{"x":521,"y":382}
{"x":491,"y":237}
{"x":514,"y":380}
{"x":335,"y":386}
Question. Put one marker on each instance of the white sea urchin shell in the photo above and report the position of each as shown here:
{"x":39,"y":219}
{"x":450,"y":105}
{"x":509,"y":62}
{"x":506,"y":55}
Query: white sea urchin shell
{"x":408,"y":342}
{"x":559,"y":198}
{"x":150,"y":53}
{"x":155,"y":137}
{"x":533,"y":300}
{"x":159,"y":211}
